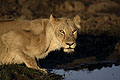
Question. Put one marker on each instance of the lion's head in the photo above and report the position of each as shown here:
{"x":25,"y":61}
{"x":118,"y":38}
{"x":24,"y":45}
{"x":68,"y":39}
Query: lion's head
{"x":65,"y":31}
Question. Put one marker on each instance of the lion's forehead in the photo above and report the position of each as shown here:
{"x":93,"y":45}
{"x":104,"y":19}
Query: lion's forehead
{"x":67,"y":24}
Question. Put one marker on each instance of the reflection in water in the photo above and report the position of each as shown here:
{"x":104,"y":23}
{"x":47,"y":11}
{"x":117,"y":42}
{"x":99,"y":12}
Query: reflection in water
{"x":107,"y":73}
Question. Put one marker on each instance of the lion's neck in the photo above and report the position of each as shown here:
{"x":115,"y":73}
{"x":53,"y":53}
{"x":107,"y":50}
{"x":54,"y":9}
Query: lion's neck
{"x":52,"y":42}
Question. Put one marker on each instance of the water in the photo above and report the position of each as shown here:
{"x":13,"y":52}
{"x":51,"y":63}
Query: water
{"x":105,"y":73}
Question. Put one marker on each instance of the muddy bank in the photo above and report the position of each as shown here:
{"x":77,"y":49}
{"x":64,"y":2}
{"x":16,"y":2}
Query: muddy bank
{"x":19,"y":72}
{"x":98,"y":40}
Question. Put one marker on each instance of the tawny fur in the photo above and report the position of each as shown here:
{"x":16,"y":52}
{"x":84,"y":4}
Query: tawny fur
{"x":23,"y":40}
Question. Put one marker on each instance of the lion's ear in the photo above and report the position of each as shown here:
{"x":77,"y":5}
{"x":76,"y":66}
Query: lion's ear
{"x":52,"y":19}
{"x":77,"y":21}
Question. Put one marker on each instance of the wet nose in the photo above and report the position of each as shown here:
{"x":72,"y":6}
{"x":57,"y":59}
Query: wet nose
{"x":70,"y":43}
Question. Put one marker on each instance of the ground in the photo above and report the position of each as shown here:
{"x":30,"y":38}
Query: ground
{"x":98,"y":40}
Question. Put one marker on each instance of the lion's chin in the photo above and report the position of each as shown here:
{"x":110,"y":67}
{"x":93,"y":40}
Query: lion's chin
{"x":68,"y":50}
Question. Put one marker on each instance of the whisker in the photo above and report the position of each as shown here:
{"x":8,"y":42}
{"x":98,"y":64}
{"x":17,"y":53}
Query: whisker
{"x":79,"y":44}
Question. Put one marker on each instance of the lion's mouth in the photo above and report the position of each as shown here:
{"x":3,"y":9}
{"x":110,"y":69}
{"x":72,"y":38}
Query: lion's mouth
{"x":69,"y":50}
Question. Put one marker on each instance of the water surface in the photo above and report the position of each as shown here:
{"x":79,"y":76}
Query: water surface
{"x":105,"y":73}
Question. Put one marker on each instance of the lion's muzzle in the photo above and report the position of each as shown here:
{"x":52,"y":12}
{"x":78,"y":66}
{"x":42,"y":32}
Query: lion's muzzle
{"x":69,"y":47}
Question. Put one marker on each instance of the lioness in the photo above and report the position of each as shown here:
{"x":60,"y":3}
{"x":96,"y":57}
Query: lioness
{"x":23,"y":40}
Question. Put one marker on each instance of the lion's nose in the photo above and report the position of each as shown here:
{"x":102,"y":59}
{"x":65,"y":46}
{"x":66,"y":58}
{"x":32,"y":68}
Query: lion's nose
{"x":70,"y":43}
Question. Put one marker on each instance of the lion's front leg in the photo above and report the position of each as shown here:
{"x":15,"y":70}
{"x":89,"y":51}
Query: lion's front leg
{"x":31,"y":62}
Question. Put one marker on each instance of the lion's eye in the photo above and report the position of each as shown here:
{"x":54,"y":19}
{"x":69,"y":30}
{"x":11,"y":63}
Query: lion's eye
{"x":61,"y":31}
{"x":74,"y":31}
